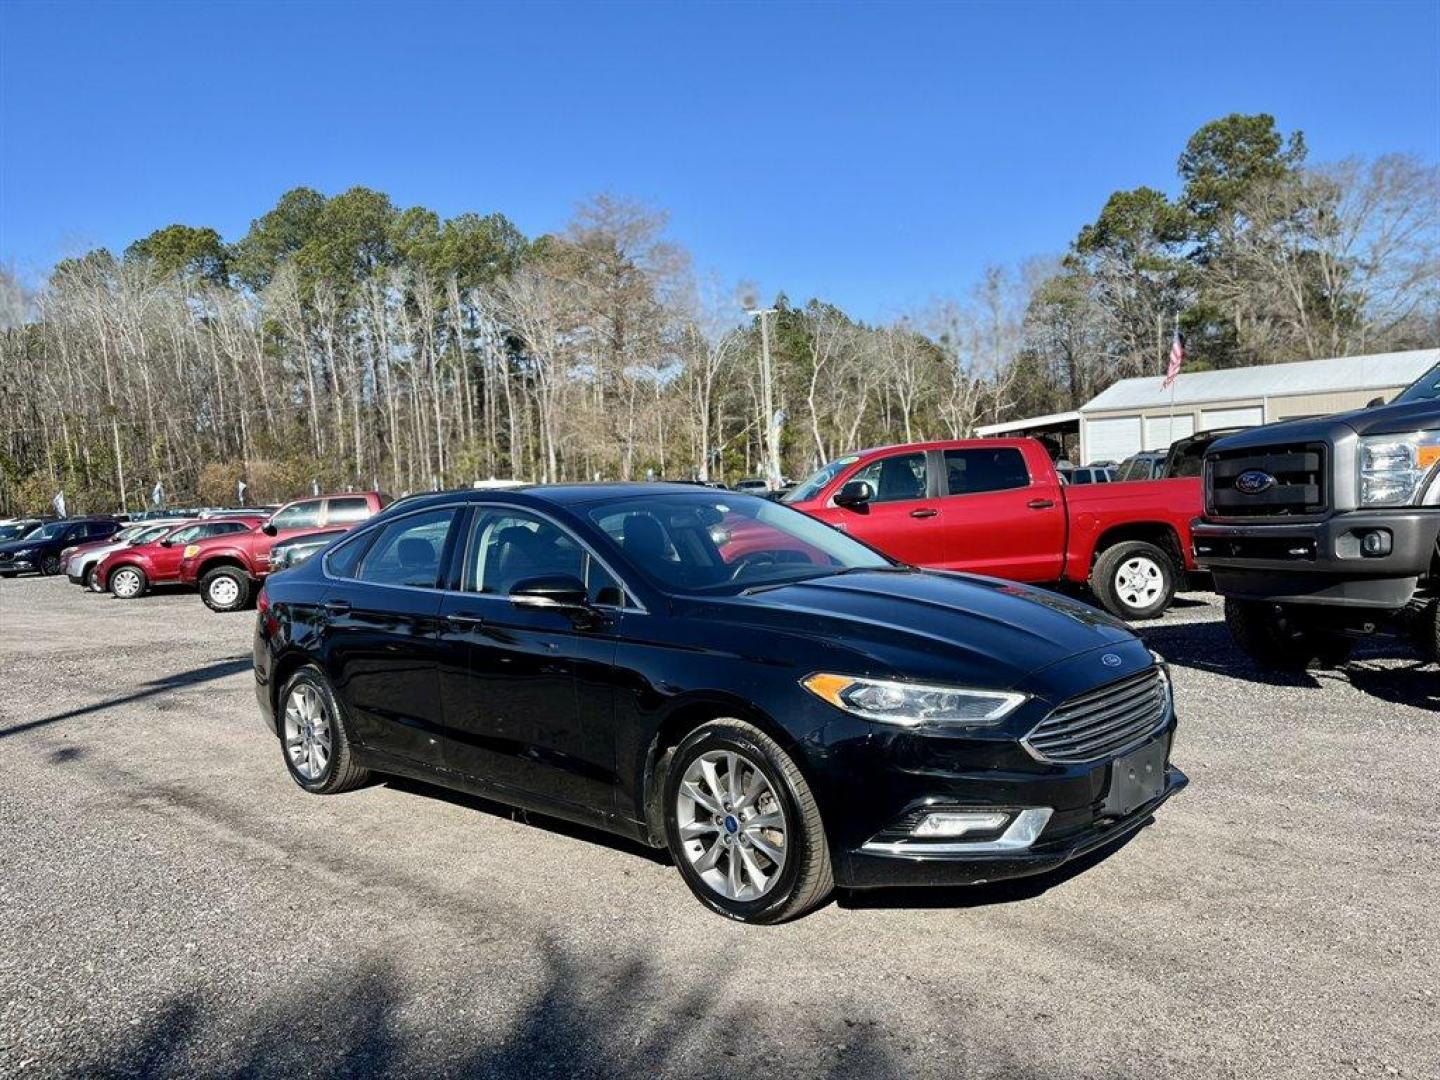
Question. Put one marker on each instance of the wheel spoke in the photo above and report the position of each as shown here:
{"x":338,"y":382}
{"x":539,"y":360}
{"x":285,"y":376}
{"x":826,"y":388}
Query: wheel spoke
{"x":736,"y":880}
{"x":752,"y":869}
{"x":711,"y":856}
{"x":712,"y":781}
{"x":692,"y":791}
{"x":774,"y":854}
{"x":698,"y":827}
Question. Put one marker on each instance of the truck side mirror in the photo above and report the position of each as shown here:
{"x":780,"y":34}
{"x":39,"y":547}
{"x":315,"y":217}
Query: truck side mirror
{"x":855,"y":493}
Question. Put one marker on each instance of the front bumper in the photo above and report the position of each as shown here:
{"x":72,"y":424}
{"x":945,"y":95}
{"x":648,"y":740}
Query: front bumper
{"x":18,"y":566}
{"x":866,"y":869}
{"x":1320,"y":562}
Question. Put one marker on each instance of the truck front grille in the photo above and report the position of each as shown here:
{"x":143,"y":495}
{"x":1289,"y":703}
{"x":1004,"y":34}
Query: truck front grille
{"x":1103,"y":722}
{"x":1295,"y":488}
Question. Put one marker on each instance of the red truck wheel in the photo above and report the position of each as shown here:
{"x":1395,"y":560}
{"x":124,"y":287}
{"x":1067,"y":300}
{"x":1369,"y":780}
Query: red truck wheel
{"x":226,"y":588}
{"x":1134,"y":580}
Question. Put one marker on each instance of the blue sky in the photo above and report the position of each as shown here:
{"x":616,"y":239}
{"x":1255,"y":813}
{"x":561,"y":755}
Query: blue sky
{"x":878,"y":155}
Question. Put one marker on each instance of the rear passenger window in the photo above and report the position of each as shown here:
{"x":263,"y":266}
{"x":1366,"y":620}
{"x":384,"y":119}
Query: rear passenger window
{"x":344,"y":558}
{"x":347,"y":511}
{"x":969,"y":472}
{"x":408,"y":551}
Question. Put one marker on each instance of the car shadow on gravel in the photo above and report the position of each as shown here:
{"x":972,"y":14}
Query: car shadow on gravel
{"x":1207,"y":646}
{"x":532,"y":818}
{"x":221,"y":669}
{"x":588,"y":1017}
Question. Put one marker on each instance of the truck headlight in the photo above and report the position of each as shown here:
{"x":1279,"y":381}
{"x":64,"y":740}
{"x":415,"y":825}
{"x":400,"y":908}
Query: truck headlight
{"x":912,"y":704}
{"x":1393,"y":467}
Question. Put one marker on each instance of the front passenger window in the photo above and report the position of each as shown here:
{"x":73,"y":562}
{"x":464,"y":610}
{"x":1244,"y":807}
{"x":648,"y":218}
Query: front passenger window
{"x":512,"y":545}
{"x":895,"y":478}
{"x":408,"y":551}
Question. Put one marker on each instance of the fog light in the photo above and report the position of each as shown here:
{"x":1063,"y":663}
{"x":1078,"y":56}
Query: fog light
{"x":955,"y":824}
{"x":1376,"y":543}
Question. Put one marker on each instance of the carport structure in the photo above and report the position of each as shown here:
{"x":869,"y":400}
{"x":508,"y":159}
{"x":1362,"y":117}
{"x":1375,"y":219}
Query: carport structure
{"x":1143,"y":414}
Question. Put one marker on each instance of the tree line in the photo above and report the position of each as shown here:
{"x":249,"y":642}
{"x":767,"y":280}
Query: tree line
{"x":345,"y":342}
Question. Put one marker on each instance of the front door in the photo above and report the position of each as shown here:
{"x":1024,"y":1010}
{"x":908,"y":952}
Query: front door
{"x":382,"y":642}
{"x":904,"y":518}
{"x":526,"y":690}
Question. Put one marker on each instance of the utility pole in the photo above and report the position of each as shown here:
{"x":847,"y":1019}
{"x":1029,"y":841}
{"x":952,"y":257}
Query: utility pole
{"x":771,"y":433}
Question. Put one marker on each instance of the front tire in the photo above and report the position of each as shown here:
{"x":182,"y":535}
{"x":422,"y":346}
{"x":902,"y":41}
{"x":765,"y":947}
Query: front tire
{"x":1270,"y":635}
{"x":50,"y":566}
{"x":226,"y":588}
{"x":128,"y":582}
{"x":1134,"y":580}
{"x":743,"y":826}
{"x":314,"y":739}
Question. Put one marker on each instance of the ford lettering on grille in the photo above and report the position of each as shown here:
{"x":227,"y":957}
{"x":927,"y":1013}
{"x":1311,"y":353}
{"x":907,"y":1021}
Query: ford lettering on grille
{"x":1254,"y":481}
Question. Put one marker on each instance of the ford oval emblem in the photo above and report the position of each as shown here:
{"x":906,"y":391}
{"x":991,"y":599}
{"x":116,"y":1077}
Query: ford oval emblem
{"x":1254,"y":481}
{"x":1110,"y":660}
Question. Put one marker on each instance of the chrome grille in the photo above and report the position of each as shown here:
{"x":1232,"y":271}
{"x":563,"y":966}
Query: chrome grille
{"x":1103,"y":722}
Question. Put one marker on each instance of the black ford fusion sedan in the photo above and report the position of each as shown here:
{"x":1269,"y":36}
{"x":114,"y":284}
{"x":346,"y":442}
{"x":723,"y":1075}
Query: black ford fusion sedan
{"x":781,"y":706}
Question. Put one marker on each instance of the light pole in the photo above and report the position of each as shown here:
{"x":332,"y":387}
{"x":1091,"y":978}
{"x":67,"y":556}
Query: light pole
{"x":767,"y":402}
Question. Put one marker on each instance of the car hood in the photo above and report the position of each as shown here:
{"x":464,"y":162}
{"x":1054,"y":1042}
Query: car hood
{"x":1381,"y":420}
{"x":932,"y":624}
{"x":20,"y":545}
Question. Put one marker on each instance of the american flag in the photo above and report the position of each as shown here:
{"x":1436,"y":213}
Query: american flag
{"x":1177,"y":358}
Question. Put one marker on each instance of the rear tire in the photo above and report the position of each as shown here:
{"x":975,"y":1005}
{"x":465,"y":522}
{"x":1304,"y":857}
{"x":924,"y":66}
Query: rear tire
{"x":128,"y":582}
{"x":226,"y":588}
{"x":1134,"y":580}
{"x":721,"y":863}
{"x":314,"y":736}
{"x":1269,"y":635}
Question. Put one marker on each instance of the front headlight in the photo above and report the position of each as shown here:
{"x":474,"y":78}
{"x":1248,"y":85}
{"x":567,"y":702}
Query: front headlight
{"x":912,"y":704}
{"x":24,"y":553}
{"x":1393,"y":467}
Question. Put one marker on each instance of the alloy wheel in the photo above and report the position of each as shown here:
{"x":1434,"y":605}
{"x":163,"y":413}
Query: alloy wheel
{"x":308,"y":739}
{"x":125,"y":583}
{"x":1139,"y":581}
{"x":732,"y":825}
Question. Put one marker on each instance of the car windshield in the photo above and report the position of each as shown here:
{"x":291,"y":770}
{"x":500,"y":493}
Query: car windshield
{"x":1425,"y":388}
{"x":708,"y":544}
{"x":17,"y":531}
{"x":817,"y":481}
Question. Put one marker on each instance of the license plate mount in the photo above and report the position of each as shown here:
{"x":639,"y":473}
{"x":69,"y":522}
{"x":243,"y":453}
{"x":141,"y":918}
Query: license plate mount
{"x":1136,"y":779}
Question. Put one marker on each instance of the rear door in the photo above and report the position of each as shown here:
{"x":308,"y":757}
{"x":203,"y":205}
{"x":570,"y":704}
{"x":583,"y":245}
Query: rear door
{"x":998,"y":518}
{"x":903,"y":518}
{"x":382,"y":635}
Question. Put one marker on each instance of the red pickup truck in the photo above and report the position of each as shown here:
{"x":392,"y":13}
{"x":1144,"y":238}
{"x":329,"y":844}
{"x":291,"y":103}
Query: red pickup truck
{"x":227,"y":568}
{"x":997,"y":506}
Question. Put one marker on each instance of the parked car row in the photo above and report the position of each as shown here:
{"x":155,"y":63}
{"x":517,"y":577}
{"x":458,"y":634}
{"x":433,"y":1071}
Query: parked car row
{"x":224,"y":556}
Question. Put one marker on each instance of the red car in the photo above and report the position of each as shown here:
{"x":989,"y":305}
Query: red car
{"x":997,"y":506}
{"x":227,"y":568}
{"x":131,"y":572}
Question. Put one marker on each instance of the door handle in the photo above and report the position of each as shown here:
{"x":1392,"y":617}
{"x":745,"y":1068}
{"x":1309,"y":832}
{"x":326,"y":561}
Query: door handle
{"x":924,"y":512}
{"x":1040,"y":504}
{"x":460,"y":620}
{"x":338,"y":607}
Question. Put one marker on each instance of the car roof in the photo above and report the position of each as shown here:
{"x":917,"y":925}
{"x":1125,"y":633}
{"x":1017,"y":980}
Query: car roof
{"x":577,"y":495}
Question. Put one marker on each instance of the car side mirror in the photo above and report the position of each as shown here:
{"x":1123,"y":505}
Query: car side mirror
{"x":559,"y":592}
{"x":167,"y":542}
{"x":269,"y":529}
{"x":854,"y":493}
{"x":1375,"y":403}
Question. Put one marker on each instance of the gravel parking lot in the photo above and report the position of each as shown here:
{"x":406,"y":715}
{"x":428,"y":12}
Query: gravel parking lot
{"x":172,"y":904}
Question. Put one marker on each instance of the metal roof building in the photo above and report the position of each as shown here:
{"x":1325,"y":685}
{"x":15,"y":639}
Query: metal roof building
{"x":1138,"y":414}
